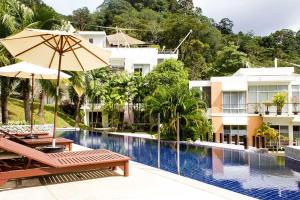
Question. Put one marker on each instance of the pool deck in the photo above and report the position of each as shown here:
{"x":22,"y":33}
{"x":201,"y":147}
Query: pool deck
{"x":144,"y":182}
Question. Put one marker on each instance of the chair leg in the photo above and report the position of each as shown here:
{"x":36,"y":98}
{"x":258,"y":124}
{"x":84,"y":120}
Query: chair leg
{"x":126,"y":168}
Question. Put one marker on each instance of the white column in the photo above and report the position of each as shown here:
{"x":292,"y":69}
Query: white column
{"x":291,"y":133}
{"x":290,"y":96}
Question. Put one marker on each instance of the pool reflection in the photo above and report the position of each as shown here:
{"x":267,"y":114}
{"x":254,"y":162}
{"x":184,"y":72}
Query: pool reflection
{"x":259,"y":175}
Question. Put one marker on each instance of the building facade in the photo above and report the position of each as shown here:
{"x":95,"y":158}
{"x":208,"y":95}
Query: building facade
{"x":238,"y":103}
{"x":123,"y":58}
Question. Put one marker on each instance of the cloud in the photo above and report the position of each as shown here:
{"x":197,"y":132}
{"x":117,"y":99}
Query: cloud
{"x":261,"y":16}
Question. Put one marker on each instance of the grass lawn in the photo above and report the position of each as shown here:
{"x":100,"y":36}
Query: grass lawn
{"x":16,"y":114}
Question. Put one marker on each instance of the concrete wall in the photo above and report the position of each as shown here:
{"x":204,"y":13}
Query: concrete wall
{"x":216,"y":97}
{"x":217,"y":124}
{"x":254,"y":123}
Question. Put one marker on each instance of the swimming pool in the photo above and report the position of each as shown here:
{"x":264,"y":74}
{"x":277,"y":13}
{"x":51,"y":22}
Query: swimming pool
{"x":258,"y":175}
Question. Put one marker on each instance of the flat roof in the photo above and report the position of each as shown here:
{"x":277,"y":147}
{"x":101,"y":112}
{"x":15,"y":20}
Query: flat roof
{"x":265,"y":71}
{"x":91,"y":33}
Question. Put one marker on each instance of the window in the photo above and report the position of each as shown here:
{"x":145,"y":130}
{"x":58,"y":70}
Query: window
{"x":117,"y":68}
{"x":143,"y":69}
{"x":91,"y":40}
{"x":296,"y":93}
{"x":207,"y":95}
{"x":296,"y":133}
{"x":235,"y":130}
{"x":283,"y":133}
{"x":138,"y":70}
{"x":263,"y":93}
{"x":234,"y":102}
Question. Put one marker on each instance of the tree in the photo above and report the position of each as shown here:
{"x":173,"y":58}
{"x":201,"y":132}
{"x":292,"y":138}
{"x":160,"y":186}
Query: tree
{"x":225,"y":26}
{"x":81,"y":17}
{"x":168,"y":101}
{"x":77,"y":85}
{"x":96,"y":81}
{"x":168,"y":73}
{"x":115,"y":98}
{"x":229,"y":60}
{"x":193,"y":56}
{"x":48,"y":87}
{"x":186,"y":5}
{"x":13,"y":18}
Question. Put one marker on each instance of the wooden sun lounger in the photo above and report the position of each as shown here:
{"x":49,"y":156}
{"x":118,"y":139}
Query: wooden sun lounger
{"x":41,"y":141}
{"x":33,"y":143}
{"x":38,"y":163}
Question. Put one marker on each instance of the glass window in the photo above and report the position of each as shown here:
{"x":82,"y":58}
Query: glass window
{"x":252,"y":88}
{"x":265,"y":93}
{"x":235,"y":129}
{"x":234,"y":102}
{"x":296,"y":132}
{"x":252,"y":97}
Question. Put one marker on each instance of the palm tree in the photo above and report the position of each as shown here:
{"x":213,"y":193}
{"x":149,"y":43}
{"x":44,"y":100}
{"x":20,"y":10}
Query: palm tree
{"x":168,"y":101}
{"x":49,"y":89}
{"x":14,"y":18}
{"x":77,"y":85}
{"x":96,"y":81}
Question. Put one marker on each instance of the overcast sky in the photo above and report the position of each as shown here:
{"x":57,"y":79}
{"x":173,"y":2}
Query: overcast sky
{"x":260,"y":16}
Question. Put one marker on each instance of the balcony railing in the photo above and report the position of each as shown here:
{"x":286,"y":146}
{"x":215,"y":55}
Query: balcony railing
{"x":261,"y":108}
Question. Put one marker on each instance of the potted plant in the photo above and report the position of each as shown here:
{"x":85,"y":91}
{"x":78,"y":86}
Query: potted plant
{"x":267,"y":104}
{"x":256,"y":109}
{"x":279,"y":100}
{"x":295,"y":105}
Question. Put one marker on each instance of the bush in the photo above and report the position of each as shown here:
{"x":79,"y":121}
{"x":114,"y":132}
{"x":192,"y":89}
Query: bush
{"x":67,"y":107}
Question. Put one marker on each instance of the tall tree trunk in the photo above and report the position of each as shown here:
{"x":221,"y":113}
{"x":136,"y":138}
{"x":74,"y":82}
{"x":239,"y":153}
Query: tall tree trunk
{"x":26,"y":101}
{"x":4,"y":99}
{"x":77,"y":118}
{"x":41,"y":104}
{"x":4,"y":109}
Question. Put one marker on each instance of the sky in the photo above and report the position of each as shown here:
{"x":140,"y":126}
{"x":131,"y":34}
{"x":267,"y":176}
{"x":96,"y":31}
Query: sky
{"x":260,"y":16}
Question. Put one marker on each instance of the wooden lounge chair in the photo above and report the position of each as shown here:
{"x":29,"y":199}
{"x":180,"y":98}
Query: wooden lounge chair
{"x":35,"y":163}
{"x":38,"y":142}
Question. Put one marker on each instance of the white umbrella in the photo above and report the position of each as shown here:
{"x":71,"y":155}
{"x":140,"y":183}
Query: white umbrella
{"x":57,"y":50}
{"x":28,"y":70}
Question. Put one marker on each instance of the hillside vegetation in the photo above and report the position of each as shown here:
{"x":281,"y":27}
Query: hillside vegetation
{"x":16,"y":114}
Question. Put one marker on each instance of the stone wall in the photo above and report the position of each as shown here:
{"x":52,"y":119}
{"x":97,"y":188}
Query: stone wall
{"x":26,"y":128}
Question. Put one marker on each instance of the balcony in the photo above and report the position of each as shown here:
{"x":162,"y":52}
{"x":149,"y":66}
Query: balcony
{"x":289,"y":109}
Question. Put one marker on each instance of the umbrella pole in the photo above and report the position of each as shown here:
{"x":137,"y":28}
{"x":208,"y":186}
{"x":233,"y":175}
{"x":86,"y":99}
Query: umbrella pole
{"x":32,"y":108}
{"x":56,"y":100}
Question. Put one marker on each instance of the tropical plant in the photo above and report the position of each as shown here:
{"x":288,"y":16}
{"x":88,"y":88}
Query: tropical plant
{"x":266,"y":131}
{"x":77,"y":88}
{"x":279,"y":100}
{"x":48,"y":87}
{"x":178,"y":99}
{"x":96,"y":81}
{"x":168,"y":73}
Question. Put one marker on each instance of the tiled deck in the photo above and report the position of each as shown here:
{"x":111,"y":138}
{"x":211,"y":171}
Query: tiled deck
{"x":144,"y":182}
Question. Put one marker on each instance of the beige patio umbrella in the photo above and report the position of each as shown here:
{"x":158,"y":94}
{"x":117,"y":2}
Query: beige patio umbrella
{"x":56,"y":50}
{"x":122,"y":39}
{"x":28,"y":70}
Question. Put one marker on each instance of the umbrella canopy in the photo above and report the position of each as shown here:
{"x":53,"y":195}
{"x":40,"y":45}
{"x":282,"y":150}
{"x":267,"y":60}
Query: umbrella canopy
{"x":26,"y":70}
{"x":44,"y":47}
{"x":56,"y":50}
{"x":122,"y":39}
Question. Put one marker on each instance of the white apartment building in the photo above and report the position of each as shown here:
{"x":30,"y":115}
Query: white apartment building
{"x":129,"y":59}
{"x":237,"y":103}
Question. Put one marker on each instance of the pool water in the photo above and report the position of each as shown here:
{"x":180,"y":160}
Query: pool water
{"x":258,"y":175}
